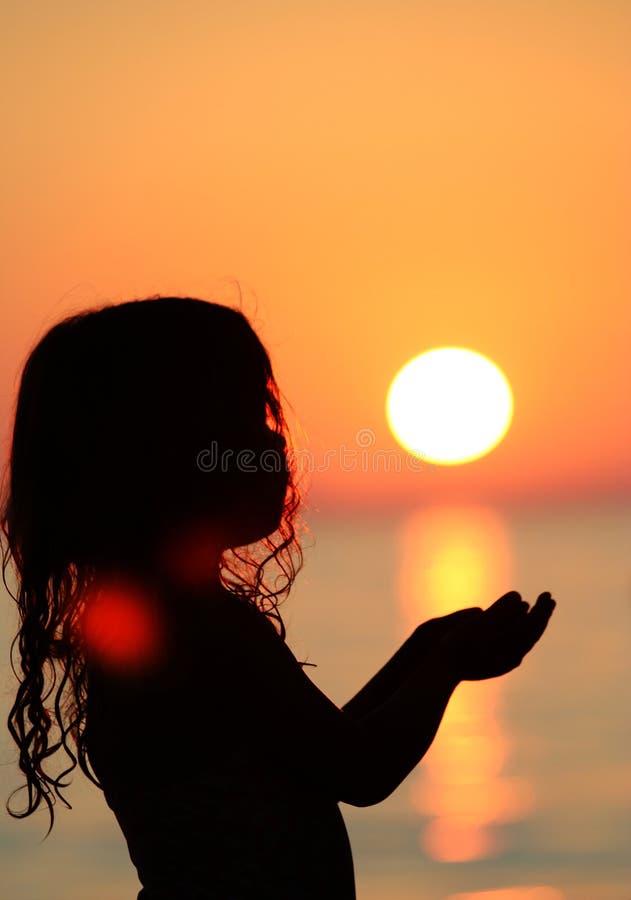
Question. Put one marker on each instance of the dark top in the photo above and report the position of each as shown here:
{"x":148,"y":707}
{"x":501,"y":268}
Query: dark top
{"x":211,"y":770}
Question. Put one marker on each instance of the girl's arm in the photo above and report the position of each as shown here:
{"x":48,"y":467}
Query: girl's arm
{"x":359,"y":760}
{"x":400,"y":666}
{"x":398,"y":733}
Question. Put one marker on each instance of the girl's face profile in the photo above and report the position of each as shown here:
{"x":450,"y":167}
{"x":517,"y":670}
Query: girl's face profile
{"x":254,"y":512}
{"x":261,"y":485}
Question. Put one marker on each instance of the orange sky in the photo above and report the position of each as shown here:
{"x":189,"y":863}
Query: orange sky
{"x":382,"y":178}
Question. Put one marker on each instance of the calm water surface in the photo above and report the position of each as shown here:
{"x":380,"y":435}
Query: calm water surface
{"x":525,"y":793}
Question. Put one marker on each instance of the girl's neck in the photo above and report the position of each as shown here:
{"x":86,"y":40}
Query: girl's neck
{"x":156,"y":575}
{"x":184,"y":561}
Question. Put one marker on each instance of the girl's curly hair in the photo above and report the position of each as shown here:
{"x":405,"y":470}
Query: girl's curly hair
{"x":111,"y":401}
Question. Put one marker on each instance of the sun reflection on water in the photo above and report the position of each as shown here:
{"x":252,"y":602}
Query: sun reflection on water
{"x":454,"y":557}
{"x":535,"y":892}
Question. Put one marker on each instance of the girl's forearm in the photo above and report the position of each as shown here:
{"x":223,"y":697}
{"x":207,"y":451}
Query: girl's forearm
{"x":399,"y":667}
{"x":398,"y":733}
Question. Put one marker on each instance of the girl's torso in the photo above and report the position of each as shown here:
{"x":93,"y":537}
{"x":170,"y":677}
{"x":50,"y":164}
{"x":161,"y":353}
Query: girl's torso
{"x":209,"y":800}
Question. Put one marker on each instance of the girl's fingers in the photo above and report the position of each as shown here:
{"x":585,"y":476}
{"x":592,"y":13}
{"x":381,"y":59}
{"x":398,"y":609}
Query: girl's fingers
{"x":511,"y":597}
{"x":507,"y":603}
{"x":509,"y":608}
{"x":546,"y":600}
{"x":538,"y":618}
{"x":543,"y":608}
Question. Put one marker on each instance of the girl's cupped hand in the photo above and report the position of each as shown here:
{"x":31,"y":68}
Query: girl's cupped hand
{"x":485,"y":643}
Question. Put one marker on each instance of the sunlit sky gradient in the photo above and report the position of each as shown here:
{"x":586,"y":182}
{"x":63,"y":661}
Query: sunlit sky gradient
{"x":381,"y":178}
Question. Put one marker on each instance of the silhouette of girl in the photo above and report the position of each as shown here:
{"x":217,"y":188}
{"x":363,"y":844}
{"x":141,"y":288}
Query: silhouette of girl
{"x":151,"y":516}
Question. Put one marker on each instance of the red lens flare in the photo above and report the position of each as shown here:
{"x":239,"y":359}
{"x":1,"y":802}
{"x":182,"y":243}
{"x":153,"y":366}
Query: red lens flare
{"x":192,"y":556}
{"x":121,"y":627}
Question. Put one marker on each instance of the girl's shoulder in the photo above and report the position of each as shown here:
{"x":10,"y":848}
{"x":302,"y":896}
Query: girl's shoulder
{"x":222,"y":616}
{"x":199,"y":641}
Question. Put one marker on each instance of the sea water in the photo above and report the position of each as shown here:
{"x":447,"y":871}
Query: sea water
{"x":525,"y":793}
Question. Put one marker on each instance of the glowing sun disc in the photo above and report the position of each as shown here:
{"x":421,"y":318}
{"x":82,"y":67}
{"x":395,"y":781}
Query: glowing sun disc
{"x":449,"y":405}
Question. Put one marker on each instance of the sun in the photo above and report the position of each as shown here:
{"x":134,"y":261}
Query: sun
{"x":449,"y":405}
